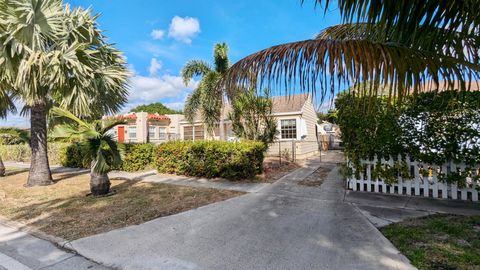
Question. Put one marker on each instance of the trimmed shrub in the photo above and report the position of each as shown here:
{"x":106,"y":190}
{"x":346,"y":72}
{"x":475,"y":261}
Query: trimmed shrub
{"x":22,"y":152}
{"x":235,"y":161}
{"x":137,"y":157}
{"x":76,"y":155}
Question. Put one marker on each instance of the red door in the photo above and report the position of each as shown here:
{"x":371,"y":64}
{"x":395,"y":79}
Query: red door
{"x":121,"y":134}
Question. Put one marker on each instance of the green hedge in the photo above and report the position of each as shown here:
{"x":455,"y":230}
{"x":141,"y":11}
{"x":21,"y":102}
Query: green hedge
{"x":22,"y":152}
{"x":211,"y":159}
{"x":433,"y":128}
{"x":137,"y":157}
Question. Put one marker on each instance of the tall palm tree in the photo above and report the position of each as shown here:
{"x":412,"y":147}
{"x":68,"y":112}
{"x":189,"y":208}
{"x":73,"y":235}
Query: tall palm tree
{"x":51,"y":54}
{"x":103,"y":149}
{"x":405,"y":44}
{"x":207,"y":98}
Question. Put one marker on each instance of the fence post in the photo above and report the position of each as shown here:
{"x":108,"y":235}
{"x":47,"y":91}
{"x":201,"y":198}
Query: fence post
{"x":280,"y":152}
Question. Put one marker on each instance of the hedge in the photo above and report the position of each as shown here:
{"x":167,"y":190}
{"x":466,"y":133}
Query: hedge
{"x":240,"y":160}
{"x":433,"y":128}
{"x":235,"y":161}
{"x":22,"y":152}
{"x":137,"y":157}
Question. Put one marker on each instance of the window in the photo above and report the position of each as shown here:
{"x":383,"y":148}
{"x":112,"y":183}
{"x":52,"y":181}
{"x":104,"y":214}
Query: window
{"x":162,"y":133}
{"x":188,"y":133}
{"x":288,"y":129}
{"x":199,"y":133}
{"x":151,"y":132}
{"x":132,"y":132}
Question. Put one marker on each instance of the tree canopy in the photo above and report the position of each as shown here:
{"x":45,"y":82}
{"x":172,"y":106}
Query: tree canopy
{"x":156,"y":107}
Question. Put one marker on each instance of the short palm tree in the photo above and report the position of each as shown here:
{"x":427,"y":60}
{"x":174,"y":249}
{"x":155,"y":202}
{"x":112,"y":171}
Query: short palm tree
{"x":252,"y":118}
{"x":51,"y":54}
{"x":103,"y":149}
{"x":6,"y":106}
{"x":207,"y":99}
{"x":405,"y":44}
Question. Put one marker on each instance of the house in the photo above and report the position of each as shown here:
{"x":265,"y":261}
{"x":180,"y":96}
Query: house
{"x":296,"y":122}
{"x":142,"y":127}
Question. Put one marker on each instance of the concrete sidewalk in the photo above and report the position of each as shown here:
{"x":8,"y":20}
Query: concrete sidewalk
{"x":282,"y":226}
{"x":384,"y":209}
{"x":21,"y":251}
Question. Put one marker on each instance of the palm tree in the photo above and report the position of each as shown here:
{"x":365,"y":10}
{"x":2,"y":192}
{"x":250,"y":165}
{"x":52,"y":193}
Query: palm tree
{"x":103,"y":149}
{"x":405,"y":44}
{"x":51,"y":54}
{"x":207,"y":98}
{"x":252,"y":118}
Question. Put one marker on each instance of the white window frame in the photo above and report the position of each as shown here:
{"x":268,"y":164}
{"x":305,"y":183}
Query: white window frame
{"x":130,"y":128}
{"x":291,"y":130}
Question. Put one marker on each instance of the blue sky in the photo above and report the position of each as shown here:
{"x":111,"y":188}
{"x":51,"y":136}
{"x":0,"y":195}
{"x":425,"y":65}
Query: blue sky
{"x":159,"y":37}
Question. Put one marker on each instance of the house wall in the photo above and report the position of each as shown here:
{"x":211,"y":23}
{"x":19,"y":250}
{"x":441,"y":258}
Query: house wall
{"x":309,"y":145}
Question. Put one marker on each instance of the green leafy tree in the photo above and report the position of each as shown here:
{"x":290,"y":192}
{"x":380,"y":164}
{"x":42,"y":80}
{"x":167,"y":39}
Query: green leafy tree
{"x":102,"y":147}
{"x":405,"y":44}
{"x":155,"y":108}
{"x":51,"y":54}
{"x":207,"y":98}
{"x":252,"y":118}
{"x":330,"y":116}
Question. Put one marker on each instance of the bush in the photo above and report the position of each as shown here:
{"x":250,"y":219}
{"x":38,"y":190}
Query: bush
{"x":13,"y":136}
{"x":434,"y":128}
{"x":22,"y":152}
{"x":137,"y":157}
{"x":76,"y":155}
{"x":211,"y":159}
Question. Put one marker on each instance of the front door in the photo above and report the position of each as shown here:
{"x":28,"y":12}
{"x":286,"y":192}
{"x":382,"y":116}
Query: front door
{"x":121,"y":134}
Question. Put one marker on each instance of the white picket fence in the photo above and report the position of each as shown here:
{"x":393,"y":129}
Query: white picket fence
{"x":417,"y":184}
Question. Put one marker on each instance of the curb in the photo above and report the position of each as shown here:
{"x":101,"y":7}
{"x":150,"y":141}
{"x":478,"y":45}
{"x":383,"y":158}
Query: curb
{"x":57,"y":241}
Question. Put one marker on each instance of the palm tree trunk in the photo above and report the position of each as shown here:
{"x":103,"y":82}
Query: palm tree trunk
{"x":2,"y":168}
{"x":39,"y":174}
{"x":99,"y":183}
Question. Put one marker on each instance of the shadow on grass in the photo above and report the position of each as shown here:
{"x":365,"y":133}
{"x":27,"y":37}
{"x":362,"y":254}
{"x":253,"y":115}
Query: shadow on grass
{"x":65,"y":176}
{"x":15,"y":171}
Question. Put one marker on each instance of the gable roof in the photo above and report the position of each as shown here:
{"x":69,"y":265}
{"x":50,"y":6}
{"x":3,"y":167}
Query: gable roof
{"x":280,"y":104}
{"x":285,"y":104}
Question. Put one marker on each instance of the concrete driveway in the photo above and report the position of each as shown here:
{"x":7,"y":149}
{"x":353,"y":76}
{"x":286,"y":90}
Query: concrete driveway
{"x":283,"y":226}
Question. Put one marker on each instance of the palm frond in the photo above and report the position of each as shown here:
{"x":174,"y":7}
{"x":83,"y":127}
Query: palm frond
{"x":194,"y":68}
{"x":320,"y":65}
{"x":220,"y":57}
{"x":407,"y":17}
{"x":192,"y":105}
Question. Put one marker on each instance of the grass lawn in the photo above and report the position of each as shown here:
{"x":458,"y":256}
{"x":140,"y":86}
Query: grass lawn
{"x":64,"y":210}
{"x":438,"y":241}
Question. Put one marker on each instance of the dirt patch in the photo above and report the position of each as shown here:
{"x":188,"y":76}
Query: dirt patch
{"x":274,"y":170}
{"x":64,"y":210}
{"x":316,"y":178}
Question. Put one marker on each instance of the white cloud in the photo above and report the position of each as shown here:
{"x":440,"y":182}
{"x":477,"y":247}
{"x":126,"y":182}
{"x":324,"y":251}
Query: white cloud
{"x":155,"y":65}
{"x":157,"y":34}
{"x":184,"y":29}
{"x":152,"y":89}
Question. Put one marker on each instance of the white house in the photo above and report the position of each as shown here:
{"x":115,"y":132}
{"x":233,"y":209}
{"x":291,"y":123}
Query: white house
{"x":143,"y":127}
{"x":296,"y":122}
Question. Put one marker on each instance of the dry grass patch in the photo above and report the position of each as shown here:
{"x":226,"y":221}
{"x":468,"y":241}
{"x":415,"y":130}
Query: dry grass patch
{"x":317,"y":177}
{"x":64,"y":210}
